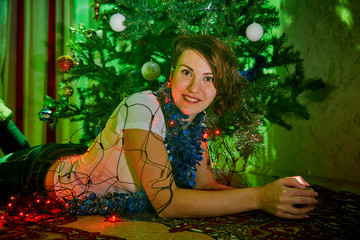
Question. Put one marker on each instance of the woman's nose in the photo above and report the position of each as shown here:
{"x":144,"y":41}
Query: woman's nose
{"x":194,"y":85}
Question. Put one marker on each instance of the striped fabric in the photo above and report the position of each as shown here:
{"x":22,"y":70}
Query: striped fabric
{"x":33,"y":36}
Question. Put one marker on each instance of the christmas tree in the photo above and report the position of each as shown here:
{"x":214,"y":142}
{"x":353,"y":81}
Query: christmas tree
{"x":129,"y":51}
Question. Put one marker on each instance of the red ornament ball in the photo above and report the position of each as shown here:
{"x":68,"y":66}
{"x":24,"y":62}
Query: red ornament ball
{"x":64,"y":63}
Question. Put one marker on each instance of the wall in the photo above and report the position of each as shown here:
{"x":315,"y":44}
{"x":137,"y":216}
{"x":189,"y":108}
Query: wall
{"x":326,"y":148}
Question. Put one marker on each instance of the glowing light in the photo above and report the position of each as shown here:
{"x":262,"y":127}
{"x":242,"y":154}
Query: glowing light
{"x":217,"y":132}
{"x":113,"y":219}
{"x":301,"y":180}
{"x":206,"y":135}
{"x":345,"y":15}
{"x":171,"y":122}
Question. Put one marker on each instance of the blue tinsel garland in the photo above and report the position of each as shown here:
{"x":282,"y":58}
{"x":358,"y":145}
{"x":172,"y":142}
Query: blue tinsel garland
{"x":183,"y":144}
{"x":126,"y":203}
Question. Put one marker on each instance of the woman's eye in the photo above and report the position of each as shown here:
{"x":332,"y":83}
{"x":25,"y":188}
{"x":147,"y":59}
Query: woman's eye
{"x":209,"y":79}
{"x":186,"y":72}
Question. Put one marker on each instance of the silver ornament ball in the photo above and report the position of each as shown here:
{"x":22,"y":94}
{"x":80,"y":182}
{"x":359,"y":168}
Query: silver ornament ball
{"x":117,"y":22}
{"x":151,"y":70}
{"x":254,"y":32}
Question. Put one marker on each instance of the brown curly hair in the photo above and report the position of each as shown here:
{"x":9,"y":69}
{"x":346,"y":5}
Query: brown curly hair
{"x":228,"y":82}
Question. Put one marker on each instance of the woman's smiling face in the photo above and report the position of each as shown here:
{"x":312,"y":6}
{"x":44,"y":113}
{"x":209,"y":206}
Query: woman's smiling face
{"x":193,"y":87}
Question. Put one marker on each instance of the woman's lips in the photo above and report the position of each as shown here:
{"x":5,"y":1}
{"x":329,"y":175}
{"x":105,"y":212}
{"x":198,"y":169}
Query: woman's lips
{"x":191,"y":99}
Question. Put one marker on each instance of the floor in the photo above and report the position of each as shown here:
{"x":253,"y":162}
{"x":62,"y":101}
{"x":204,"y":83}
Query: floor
{"x":132,"y":230}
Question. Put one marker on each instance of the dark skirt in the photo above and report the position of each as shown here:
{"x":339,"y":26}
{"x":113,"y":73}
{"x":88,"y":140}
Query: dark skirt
{"x":24,"y":172}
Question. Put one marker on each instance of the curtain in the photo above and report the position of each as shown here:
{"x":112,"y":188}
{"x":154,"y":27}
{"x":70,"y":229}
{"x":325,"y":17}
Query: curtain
{"x":33,"y":36}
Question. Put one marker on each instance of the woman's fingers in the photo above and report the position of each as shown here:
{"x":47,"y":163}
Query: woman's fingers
{"x":299,"y":200}
{"x":300,"y":180}
{"x":298,"y":186}
{"x":295,"y":210}
{"x":300,"y":210}
{"x":300,"y":197}
{"x":293,"y":182}
{"x":308,"y":192}
{"x":298,"y":206}
{"x":289,"y":211}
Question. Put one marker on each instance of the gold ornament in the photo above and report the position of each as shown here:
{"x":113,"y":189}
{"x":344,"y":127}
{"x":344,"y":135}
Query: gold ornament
{"x":66,"y":91}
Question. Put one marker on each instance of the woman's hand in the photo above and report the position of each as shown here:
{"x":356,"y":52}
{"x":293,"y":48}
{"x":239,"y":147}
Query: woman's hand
{"x":287,"y":198}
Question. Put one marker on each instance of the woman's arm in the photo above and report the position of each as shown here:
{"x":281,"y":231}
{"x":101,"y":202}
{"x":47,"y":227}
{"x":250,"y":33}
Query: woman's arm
{"x":205,"y":176}
{"x":149,"y":156}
